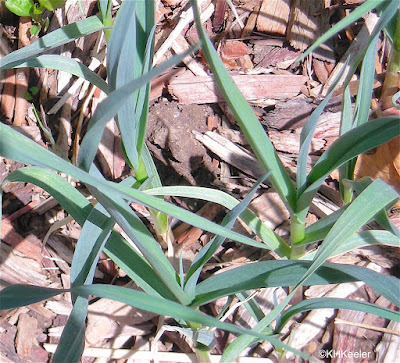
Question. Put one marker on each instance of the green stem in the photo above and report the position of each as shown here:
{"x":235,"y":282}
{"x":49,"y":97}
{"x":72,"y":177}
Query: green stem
{"x":108,"y":22}
{"x":297,"y":233}
{"x":202,"y":353}
{"x":141,"y":173}
{"x":347,"y":194}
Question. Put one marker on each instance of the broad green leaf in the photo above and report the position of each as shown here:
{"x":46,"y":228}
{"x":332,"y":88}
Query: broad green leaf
{"x":52,"y":61}
{"x":335,"y":303}
{"x":104,"y":7}
{"x":365,"y":86}
{"x":151,"y":170}
{"x":142,"y":103}
{"x":95,"y":232}
{"x":361,"y":110}
{"x":52,"y":4}
{"x":384,"y":285}
{"x":360,"y":211}
{"x":54,"y":39}
{"x":121,"y":52}
{"x":381,"y":217}
{"x":286,"y":273}
{"x":20,"y":7}
{"x":248,"y":122}
{"x":362,"y":239}
{"x":348,"y":146}
{"x":15,"y":296}
{"x":391,"y":30}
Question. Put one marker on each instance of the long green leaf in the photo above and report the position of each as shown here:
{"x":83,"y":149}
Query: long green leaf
{"x":360,"y":211}
{"x":346,"y":124}
{"x":71,"y":344}
{"x":335,"y":303}
{"x":384,"y":285}
{"x":365,"y":87}
{"x":140,"y":235}
{"x":348,"y":146}
{"x":307,"y":134}
{"x":286,"y":273}
{"x":18,"y":295}
{"x":54,"y":39}
{"x":121,"y":63}
{"x":52,"y":61}
{"x":362,"y":239}
{"x":248,"y":122}
{"x":95,"y":232}
{"x":208,"y":251}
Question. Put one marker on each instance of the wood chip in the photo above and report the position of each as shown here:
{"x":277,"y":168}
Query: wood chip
{"x":274,"y":16}
{"x":308,"y":21}
{"x":193,"y":89}
{"x":270,"y":209}
{"x":25,"y":338}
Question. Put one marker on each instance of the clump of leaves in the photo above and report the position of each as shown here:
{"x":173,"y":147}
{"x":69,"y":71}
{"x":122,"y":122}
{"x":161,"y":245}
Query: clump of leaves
{"x":180,"y":294}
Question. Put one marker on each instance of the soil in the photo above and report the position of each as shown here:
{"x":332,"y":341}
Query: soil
{"x":180,"y":158}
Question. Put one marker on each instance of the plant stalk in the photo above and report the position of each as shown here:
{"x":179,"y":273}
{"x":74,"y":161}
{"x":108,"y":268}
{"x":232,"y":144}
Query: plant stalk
{"x":297,"y":233}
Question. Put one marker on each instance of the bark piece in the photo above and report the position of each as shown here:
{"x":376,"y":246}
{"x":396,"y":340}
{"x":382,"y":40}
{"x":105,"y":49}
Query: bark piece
{"x":291,"y":114}
{"x":308,"y":21}
{"x":8,"y":94}
{"x":25,"y":338}
{"x":274,"y":16}
{"x":318,"y":319}
{"x":251,"y":22}
{"x":270,"y":209}
{"x":194,"y":89}
{"x":16,"y":268}
{"x":382,"y":162}
{"x":22,"y":75}
{"x":271,"y":55}
{"x":30,"y":245}
{"x":110,"y":154}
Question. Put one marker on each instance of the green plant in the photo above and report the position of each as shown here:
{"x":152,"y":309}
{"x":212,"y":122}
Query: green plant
{"x":179,"y":293}
{"x":33,"y":9}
